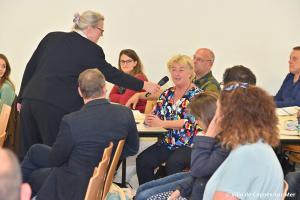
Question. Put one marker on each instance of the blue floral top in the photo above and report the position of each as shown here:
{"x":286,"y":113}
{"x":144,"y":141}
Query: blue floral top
{"x":167,"y":109}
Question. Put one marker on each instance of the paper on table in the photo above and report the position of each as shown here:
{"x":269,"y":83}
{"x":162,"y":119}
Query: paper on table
{"x":139,"y":117}
{"x":287,"y":111}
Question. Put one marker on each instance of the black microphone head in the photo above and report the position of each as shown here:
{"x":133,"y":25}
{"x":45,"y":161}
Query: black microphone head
{"x":163,"y":81}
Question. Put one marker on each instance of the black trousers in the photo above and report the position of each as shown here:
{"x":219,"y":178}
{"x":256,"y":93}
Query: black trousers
{"x":176,"y":161}
{"x":39,"y":123}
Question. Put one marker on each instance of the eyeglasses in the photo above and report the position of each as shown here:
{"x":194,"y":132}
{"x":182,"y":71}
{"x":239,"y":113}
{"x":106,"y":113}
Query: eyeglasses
{"x":125,"y":62}
{"x":235,"y":86}
{"x":200,"y":59}
{"x":293,"y":59}
{"x":100,"y":29}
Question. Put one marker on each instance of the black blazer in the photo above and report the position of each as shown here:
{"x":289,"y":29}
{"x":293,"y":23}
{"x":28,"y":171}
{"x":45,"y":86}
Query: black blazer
{"x":52,"y":72}
{"x":79,"y":146}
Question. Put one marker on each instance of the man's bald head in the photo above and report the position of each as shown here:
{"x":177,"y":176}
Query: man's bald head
{"x":203,"y":61}
{"x":11,"y":187}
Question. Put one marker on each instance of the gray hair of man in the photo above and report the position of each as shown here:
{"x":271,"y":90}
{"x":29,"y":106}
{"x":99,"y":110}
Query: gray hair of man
{"x":91,"y":83}
{"x":10,"y":176}
{"x":87,"y":18}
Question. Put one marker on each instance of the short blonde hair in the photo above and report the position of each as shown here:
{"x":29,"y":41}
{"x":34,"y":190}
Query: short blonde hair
{"x":182,"y":60}
{"x":87,"y":18}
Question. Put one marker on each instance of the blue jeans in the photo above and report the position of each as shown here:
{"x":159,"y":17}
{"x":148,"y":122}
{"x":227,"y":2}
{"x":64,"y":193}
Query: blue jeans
{"x":293,"y":179}
{"x":165,"y":184}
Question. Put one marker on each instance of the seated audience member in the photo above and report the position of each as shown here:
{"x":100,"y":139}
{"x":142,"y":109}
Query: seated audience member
{"x":82,"y":137}
{"x":289,"y":92}
{"x":207,"y":156}
{"x":11,"y":187}
{"x":171,"y":113}
{"x":7,"y":91}
{"x":246,"y":115}
{"x":239,"y":73}
{"x":203,"y":60}
{"x":129,"y":63}
{"x":293,"y":180}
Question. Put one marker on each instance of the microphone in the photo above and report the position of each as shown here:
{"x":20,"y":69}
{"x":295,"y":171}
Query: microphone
{"x":162,"y":81}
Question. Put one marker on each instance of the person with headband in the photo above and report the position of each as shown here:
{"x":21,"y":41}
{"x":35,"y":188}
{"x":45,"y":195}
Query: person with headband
{"x":49,"y":85}
{"x":247,"y":118}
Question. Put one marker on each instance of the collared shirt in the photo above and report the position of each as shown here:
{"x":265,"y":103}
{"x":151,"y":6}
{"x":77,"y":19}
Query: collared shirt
{"x":289,"y":92}
{"x":208,"y":82}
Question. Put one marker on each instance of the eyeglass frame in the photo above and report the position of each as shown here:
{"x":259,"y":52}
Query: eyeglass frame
{"x":100,"y":29}
{"x":201,"y":60}
{"x":126,"y":62}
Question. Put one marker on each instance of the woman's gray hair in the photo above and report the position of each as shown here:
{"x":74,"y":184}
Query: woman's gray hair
{"x":87,"y":18}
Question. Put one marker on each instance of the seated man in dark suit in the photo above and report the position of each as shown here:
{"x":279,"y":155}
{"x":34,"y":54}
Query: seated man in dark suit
{"x":64,"y":170}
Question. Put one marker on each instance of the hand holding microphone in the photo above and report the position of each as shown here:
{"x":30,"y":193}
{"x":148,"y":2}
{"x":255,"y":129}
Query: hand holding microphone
{"x":162,"y":81}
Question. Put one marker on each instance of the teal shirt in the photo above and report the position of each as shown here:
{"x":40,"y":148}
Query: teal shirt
{"x":7,"y":94}
{"x":208,"y":82}
{"x":250,"y":172}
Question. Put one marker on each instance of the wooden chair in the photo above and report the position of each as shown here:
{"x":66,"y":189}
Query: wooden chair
{"x":149,"y":106}
{"x":4,"y":115}
{"x":112,"y":169}
{"x":285,"y":189}
{"x":294,"y":152}
{"x":96,"y":184}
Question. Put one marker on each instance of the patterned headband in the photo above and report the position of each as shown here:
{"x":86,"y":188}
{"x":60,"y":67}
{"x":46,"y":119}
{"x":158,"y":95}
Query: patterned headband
{"x":236,"y":86}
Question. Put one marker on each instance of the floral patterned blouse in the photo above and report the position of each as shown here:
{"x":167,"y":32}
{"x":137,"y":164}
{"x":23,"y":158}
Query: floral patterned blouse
{"x":167,"y":109}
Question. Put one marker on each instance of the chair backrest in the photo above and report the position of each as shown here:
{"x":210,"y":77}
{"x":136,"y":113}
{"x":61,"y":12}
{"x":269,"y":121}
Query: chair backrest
{"x":149,"y":106}
{"x":285,"y":189}
{"x":112,"y":169}
{"x":4,"y":115}
{"x":96,"y":184}
{"x":2,"y":138}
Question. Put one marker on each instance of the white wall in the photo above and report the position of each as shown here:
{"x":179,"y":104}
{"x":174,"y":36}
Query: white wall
{"x":258,"y":33}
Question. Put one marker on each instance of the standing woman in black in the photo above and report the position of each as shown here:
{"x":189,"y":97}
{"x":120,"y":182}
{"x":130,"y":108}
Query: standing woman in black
{"x":49,"y":85}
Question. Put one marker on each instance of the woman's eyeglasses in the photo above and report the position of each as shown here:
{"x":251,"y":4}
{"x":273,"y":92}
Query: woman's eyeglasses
{"x":125,"y":62}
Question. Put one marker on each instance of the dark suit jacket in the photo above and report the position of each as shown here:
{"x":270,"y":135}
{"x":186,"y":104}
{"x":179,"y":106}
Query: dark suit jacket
{"x":52,"y":72}
{"x":79,"y":147}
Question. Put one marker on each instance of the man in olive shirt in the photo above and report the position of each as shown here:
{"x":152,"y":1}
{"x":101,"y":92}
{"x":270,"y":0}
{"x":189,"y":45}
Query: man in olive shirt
{"x":203,"y":62}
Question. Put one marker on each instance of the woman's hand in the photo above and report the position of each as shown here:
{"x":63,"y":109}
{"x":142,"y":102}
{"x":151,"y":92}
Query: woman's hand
{"x":153,"y":120}
{"x":19,"y":106}
{"x":214,"y":127}
{"x":151,"y":87}
{"x":133,"y":100}
{"x":174,"y":195}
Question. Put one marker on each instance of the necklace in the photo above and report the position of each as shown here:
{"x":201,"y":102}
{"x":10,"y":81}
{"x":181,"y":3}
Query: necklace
{"x":177,"y":97}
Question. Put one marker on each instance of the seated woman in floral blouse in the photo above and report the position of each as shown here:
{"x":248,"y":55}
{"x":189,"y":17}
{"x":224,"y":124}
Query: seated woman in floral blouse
{"x":130,"y":63}
{"x":171,"y":113}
